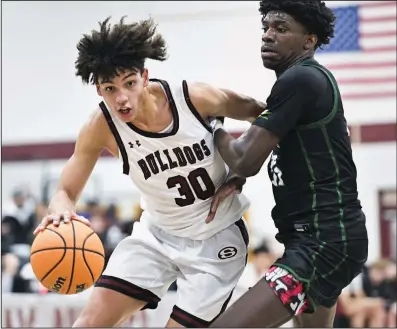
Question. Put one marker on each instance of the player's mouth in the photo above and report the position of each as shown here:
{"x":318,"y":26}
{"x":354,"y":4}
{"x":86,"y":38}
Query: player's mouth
{"x":125,"y":112}
{"x":267,"y":52}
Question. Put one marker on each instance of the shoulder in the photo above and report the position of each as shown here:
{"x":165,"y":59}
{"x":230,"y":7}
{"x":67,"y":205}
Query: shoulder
{"x":205,"y":98}
{"x":204,"y":92}
{"x":95,"y":133}
{"x":302,"y":77}
{"x":96,"y":123}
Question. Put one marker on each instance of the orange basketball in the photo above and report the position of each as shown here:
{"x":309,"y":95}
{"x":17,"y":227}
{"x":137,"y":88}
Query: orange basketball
{"x":67,"y":259}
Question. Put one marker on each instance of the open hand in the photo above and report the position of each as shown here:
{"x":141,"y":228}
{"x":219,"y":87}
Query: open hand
{"x":233,"y":184}
{"x":56,"y":218}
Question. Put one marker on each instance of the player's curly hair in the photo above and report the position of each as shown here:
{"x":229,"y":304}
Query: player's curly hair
{"x":313,"y":14}
{"x":117,"y":48}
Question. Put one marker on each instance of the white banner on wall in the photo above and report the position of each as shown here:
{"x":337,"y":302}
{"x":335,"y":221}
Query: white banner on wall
{"x":59,"y":311}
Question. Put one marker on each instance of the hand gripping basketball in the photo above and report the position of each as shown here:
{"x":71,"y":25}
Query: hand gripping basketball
{"x":56,"y":217}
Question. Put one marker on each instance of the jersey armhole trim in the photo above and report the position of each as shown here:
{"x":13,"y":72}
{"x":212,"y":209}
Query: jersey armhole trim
{"x":327,"y":119}
{"x":192,"y":108}
{"x":113,"y":129}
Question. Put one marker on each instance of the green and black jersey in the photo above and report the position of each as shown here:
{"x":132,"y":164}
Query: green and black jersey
{"x":312,"y":169}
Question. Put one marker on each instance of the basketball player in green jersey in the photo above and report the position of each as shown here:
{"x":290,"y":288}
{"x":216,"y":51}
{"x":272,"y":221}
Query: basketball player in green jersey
{"x":317,"y":211}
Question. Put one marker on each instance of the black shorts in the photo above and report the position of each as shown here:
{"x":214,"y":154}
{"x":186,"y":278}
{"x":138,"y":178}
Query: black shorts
{"x":324,"y":267}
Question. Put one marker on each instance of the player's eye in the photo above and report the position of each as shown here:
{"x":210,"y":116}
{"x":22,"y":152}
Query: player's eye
{"x":130,"y":83}
{"x":265,"y":28}
{"x":281,"y":29}
{"x":109,"y":88}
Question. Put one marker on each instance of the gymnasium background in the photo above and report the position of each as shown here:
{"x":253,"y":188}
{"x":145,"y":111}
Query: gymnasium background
{"x":44,"y":105}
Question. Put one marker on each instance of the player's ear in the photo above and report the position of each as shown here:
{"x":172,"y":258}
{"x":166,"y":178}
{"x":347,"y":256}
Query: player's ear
{"x":145,"y":77}
{"x":98,"y":90}
{"x":310,"y":42}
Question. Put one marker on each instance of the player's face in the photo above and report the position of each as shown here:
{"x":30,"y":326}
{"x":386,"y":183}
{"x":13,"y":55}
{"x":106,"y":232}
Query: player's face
{"x":124,"y":93}
{"x":283,"y":39}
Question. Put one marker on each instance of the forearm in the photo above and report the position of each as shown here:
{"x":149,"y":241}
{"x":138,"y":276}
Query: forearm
{"x":68,"y":190}
{"x":241,"y":107}
{"x":246,"y":155}
{"x":73,"y":179}
{"x":247,"y":110}
{"x":230,"y":150}
{"x":62,"y":196}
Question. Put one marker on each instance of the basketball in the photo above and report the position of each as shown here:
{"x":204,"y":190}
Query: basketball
{"x":67,"y":259}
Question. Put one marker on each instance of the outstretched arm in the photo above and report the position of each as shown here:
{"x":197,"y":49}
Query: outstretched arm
{"x":212,"y":102}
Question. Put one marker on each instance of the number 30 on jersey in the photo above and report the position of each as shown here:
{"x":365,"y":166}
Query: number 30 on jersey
{"x":190,"y":188}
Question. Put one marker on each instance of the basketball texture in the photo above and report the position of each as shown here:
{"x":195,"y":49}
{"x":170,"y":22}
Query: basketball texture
{"x":67,"y":259}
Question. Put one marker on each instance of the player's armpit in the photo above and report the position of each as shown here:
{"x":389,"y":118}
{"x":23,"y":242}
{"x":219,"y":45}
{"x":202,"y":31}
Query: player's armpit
{"x":246,"y":155}
{"x":212,"y":101}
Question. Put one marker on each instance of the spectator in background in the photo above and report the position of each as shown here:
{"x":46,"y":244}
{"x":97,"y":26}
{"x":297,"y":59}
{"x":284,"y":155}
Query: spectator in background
{"x":374,"y":277}
{"x":111,"y":213}
{"x":21,"y":204}
{"x":391,"y":293}
{"x":380,"y":282}
{"x":369,"y":300}
{"x":92,"y":208}
{"x":127,"y":226}
{"x":11,"y":280}
{"x":263,"y":258}
{"x":16,"y":217}
{"x":109,"y":233}
{"x":356,"y":310}
{"x":34,"y":219}
{"x":6,"y":237}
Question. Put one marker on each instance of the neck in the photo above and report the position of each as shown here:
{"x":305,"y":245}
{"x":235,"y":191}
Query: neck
{"x":148,"y":107}
{"x":152,"y":104}
{"x":291,"y":62}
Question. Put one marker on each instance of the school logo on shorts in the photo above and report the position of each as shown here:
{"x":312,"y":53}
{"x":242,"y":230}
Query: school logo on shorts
{"x":227,"y":252}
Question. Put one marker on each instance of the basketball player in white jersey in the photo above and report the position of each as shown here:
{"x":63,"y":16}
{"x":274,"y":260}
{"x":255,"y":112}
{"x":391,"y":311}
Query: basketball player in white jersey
{"x":162,"y":137}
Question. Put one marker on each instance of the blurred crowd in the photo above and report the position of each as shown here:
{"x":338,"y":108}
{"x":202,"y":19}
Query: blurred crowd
{"x":369,"y":301}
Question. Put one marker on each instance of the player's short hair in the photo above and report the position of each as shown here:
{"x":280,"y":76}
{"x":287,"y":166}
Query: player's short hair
{"x":117,"y":48}
{"x":314,"y":15}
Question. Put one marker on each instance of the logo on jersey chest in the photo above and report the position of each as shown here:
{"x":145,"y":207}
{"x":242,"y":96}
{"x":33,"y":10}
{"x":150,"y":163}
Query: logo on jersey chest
{"x":160,"y":161}
{"x":137,"y":143}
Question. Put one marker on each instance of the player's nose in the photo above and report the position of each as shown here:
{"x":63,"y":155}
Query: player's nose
{"x":268,"y":36}
{"x":121,"y":99}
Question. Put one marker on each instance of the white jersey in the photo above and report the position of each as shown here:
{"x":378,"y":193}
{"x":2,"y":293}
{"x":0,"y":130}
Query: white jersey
{"x":177,"y":171}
